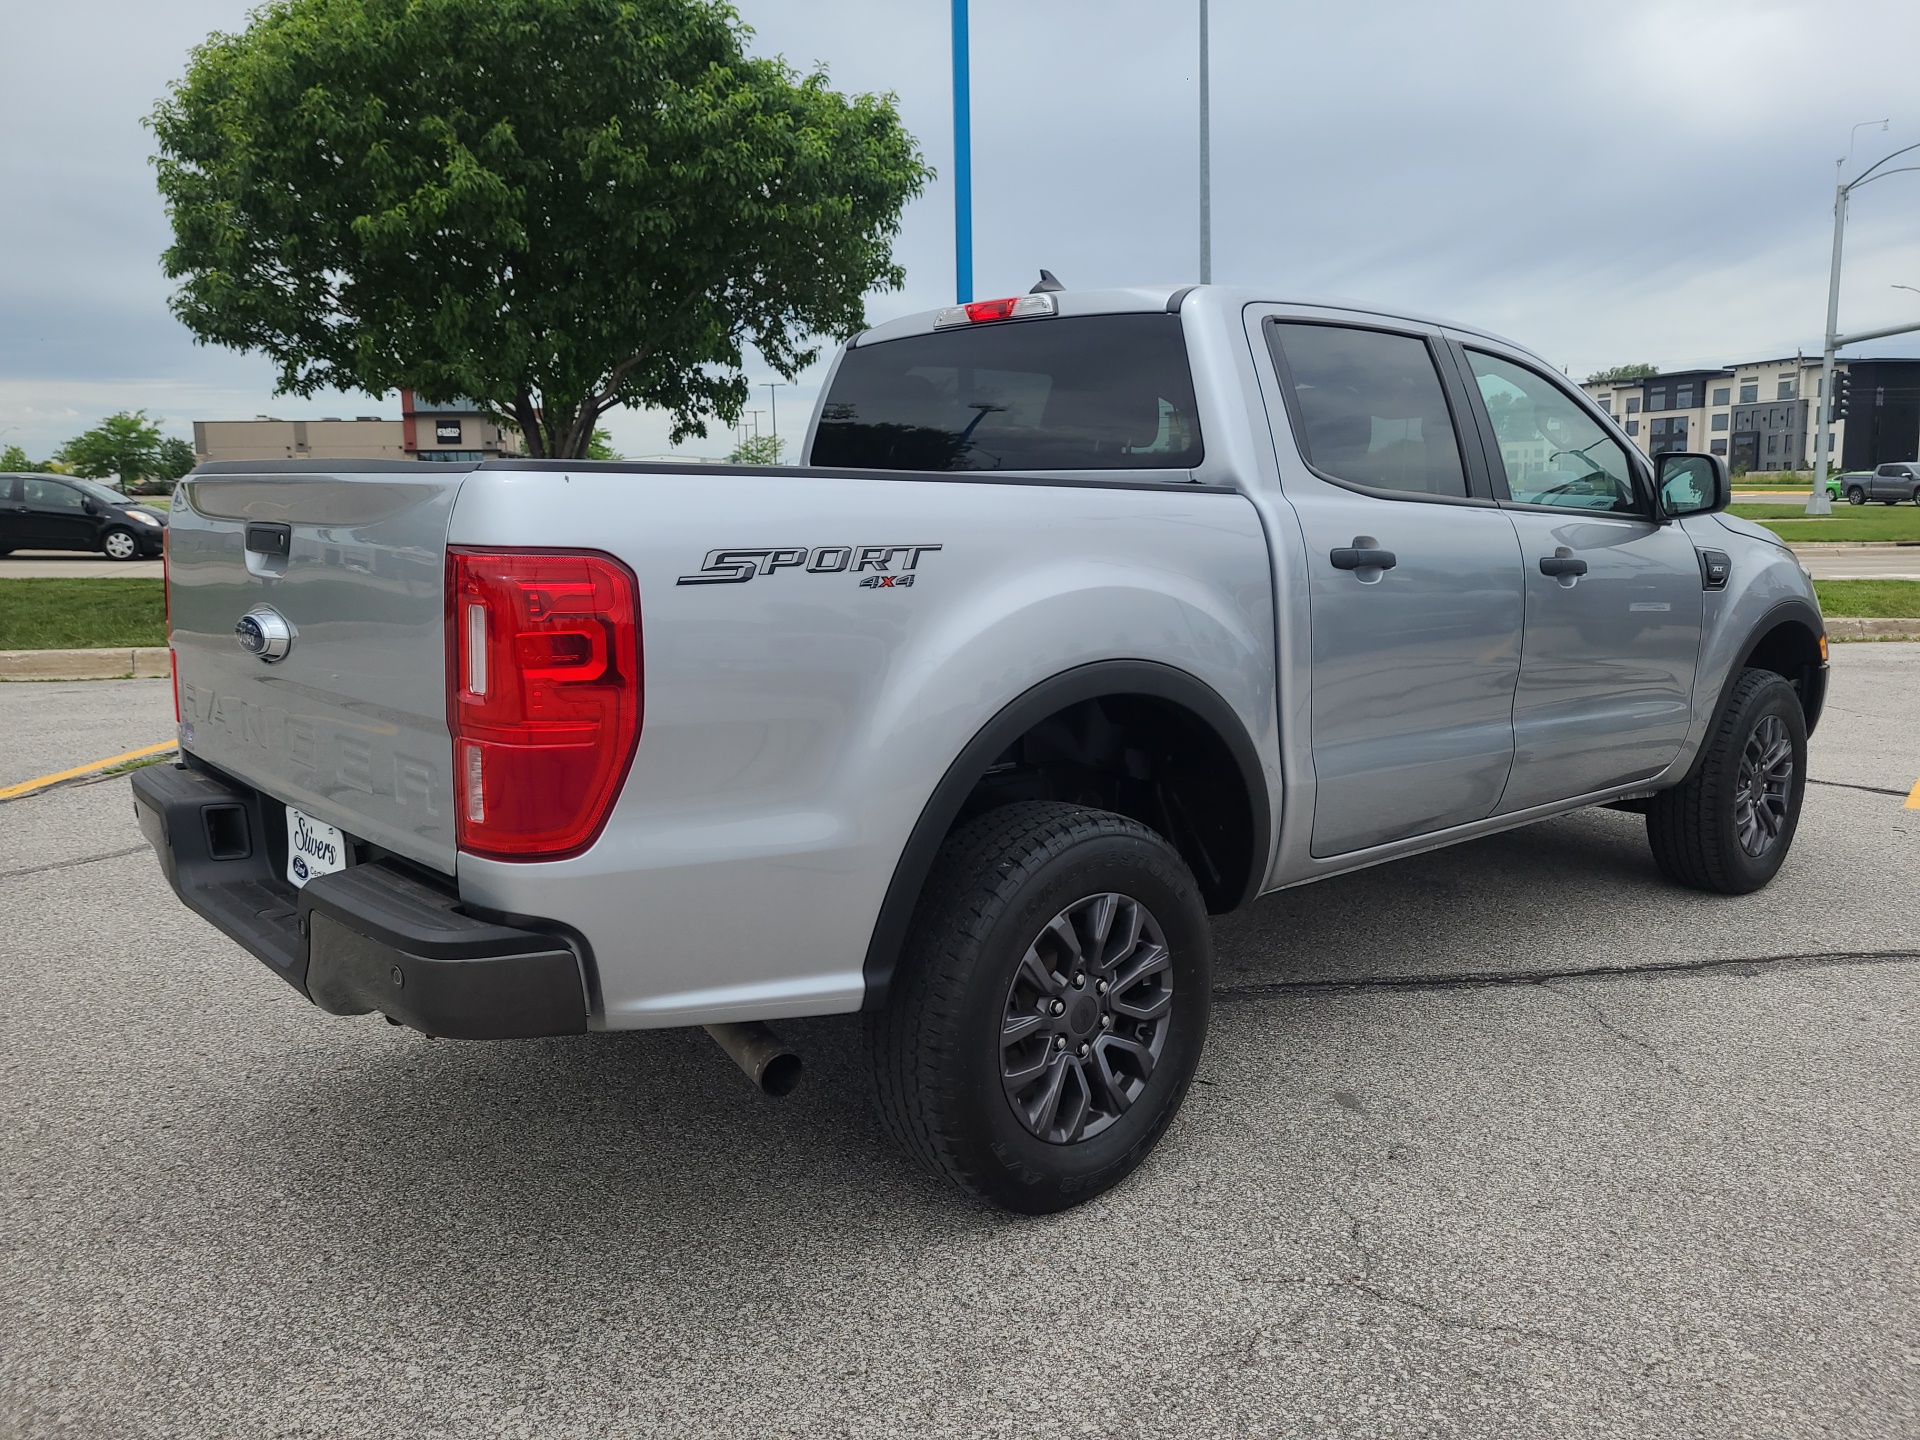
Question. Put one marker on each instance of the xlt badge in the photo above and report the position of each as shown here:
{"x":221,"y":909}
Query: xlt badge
{"x":874,"y":562}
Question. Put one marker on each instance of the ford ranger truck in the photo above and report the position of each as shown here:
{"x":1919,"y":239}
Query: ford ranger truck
{"x":1091,"y":615}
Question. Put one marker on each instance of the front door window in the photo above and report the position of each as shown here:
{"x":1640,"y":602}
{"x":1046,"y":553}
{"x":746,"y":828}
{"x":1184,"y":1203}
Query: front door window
{"x":1554,"y":452}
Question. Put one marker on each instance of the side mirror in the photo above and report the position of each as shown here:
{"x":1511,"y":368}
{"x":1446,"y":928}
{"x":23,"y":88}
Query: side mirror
{"x":1691,"y":484}
{"x":89,"y":507}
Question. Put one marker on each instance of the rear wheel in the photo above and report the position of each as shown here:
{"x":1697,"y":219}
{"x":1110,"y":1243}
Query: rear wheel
{"x":1728,"y":828}
{"x":1856,"y":496}
{"x":1050,"y":1008}
{"x":120,"y":545}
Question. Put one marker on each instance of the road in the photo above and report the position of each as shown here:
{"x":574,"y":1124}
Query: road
{"x":1440,"y":1175}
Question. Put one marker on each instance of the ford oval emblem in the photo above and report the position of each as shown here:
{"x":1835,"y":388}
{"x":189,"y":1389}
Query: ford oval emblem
{"x":264,"y":631}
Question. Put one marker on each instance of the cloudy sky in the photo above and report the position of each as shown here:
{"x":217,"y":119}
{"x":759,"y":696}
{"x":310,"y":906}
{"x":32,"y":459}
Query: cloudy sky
{"x":1636,"y":180}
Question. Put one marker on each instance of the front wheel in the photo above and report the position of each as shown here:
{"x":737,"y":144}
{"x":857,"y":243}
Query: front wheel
{"x":120,"y":545}
{"x":1728,"y":827}
{"x":1050,"y":1008}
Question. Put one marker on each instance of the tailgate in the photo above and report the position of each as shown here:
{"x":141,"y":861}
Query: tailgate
{"x":350,"y":725}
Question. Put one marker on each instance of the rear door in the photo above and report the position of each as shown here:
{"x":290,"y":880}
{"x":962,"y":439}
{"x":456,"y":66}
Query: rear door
{"x":1613,"y":597}
{"x":1413,"y":582}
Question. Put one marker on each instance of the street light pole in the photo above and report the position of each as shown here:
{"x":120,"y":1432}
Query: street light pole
{"x":962,"y":160}
{"x":773,"y":403}
{"x":1206,"y":156}
{"x":1819,"y":502}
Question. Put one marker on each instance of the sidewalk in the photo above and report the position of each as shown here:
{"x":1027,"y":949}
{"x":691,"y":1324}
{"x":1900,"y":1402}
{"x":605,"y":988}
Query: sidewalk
{"x":122,"y":663}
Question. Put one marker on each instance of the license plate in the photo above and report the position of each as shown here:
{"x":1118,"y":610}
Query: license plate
{"x":313,"y":847}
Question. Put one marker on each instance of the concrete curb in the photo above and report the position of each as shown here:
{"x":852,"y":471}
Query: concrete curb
{"x":147,"y":662}
{"x":1848,"y":627}
{"x":1851,"y":547}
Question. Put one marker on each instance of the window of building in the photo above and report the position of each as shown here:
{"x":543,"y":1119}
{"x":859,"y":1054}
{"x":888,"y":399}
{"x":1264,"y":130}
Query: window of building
{"x":1723,"y":396}
{"x":1786,"y":389}
{"x":1683,"y":398}
{"x":1657,"y":398}
{"x":1668,"y":433}
{"x":1633,"y":406}
{"x":1749,"y":391}
{"x":1606,"y":404}
{"x":1719,"y":447}
{"x":1633,"y":427}
{"x":1720,"y":422}
{"x":1773,"y":444}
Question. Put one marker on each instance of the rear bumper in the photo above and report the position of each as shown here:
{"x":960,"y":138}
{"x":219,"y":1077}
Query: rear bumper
{"x":372,"y":937}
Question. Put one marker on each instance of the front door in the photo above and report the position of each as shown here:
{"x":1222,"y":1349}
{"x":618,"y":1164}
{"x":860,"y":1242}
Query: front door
{"x":53,"y":516}
{"x":1614,"y":598}
{"x":1413,"y":588}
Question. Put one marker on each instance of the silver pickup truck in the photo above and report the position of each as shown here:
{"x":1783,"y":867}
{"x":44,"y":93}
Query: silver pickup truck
{"x":1092,"y":615}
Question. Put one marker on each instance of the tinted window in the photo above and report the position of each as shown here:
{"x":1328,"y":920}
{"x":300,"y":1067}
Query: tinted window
{"x":1554,"y":452}
{"x":1370,"y":408}
{"x":50,"y":494}
{"x":1092,"y":392}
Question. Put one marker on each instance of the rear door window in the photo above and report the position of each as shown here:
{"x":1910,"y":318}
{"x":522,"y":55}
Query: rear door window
{"x":1089,"y":392}
{"x":1369,"y":408}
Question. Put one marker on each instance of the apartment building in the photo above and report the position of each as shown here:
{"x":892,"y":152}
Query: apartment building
{"x":450,"y":432}
{"x":1761,"y":414}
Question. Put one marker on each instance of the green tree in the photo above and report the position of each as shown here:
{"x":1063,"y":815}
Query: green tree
{"x":1622,"y":374}
{"x":14,"y":460}
{"x":125,"y":446}
{"x":600,"y":447}
{"x":176,"y":458}
{"x":758,"y":450}
{"x":552,"y":206}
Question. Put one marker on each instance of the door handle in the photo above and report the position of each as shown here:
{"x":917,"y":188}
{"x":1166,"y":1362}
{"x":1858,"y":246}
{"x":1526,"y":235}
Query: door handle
{"x":1562,"y":563}
{"x":1364,"y":554}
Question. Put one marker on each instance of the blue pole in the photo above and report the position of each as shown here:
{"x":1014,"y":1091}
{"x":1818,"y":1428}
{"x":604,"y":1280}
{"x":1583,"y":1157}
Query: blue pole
{"x":962,"y":160}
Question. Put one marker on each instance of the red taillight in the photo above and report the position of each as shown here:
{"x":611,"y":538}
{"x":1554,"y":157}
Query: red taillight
{"x":980,"y":312}
{"x":544,"y":696}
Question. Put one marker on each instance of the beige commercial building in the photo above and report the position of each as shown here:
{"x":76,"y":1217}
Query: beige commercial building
{"x":451,"y":432}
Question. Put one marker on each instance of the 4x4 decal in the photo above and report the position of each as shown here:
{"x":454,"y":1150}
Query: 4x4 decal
{"x":736,"y":567}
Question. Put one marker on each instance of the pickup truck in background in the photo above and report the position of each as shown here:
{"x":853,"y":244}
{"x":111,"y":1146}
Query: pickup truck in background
{"x":1889,"y":484}
{"x":1091,"y":615}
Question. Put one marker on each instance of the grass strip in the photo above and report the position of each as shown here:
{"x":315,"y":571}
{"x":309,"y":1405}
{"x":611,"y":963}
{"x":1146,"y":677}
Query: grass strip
{"x":81,"y":614}
{"x":1870,"y":599}
{"x":1847,"y":523}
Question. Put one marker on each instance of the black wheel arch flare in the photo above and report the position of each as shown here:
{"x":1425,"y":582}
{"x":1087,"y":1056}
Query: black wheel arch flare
{"x":1095,"y":681}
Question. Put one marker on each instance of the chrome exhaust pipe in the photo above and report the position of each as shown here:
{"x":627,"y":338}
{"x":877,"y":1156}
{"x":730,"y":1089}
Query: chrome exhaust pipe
{"x":761,"y":1053}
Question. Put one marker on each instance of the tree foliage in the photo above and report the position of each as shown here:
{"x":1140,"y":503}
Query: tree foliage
{"x":13,"y":460}
{"x":125,"y":447}
{"x":758,"y":450}
{"x":1623,"y":374}
{"x":551,"y":206}
{"x":175,"y":459}
{"x":600,"y":447}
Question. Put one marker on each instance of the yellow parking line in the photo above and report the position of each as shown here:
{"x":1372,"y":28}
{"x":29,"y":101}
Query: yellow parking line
{"x":1913,"y":797}
{"x":25,"y":785}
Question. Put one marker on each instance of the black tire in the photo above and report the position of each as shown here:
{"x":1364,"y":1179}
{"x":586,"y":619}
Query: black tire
{"x":120,"y":543}
{"x":939,"y":1058}
{"x":1856,"y":496}
{"x":1704,"y":832}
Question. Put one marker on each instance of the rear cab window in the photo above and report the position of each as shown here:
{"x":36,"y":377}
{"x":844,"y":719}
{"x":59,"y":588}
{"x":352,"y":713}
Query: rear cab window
{"x":1080,"y":392}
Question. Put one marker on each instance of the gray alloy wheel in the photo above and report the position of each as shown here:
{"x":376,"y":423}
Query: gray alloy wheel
{"x":1765,"y":787}
{"x":1856,"y":496}
{"x":120,"y":545}
{"x":1086,"y":1017}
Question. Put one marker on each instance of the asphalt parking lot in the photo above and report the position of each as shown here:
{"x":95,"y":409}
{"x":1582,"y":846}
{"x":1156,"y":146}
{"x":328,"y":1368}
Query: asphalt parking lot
{"x":1510,"y":1140}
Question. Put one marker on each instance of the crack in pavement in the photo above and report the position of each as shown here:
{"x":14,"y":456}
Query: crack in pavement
{"x":69,"y":864}
{"x":1848,"y":785}
{"x":1600,"y":1018}
{"x":1476,"y":979}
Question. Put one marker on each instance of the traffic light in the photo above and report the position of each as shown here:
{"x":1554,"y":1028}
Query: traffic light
{"x":1842,"y":388}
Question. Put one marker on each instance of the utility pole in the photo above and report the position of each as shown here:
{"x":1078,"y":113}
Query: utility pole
{"x":1206,"y":157}
{"x":773,"y":403}
{"x":962,"y":160}
{"x":1819,"y":502}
